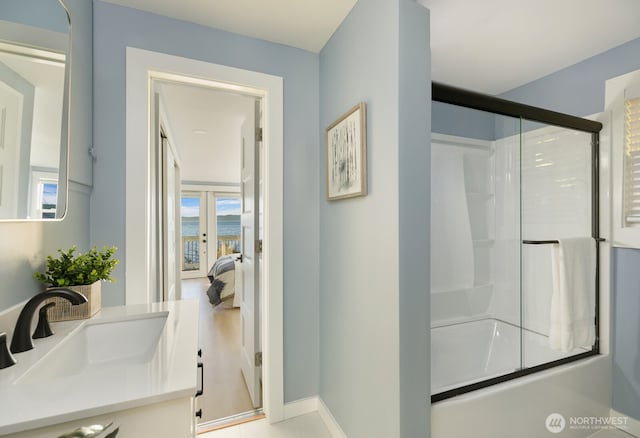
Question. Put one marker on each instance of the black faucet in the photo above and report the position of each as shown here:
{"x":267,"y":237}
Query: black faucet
{"x":22,"y":333}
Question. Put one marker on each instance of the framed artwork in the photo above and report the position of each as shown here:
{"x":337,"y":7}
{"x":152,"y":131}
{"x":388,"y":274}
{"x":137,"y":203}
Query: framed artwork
{"x":346,"y":159}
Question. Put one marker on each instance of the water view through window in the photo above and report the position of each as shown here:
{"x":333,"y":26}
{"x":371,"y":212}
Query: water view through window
{"x":228,"y":225}
{"x":190,"y":212}
{"x":227,"y":228}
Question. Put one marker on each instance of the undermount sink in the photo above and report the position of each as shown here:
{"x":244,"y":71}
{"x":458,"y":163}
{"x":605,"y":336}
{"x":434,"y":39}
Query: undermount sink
{"x":98,"y":345}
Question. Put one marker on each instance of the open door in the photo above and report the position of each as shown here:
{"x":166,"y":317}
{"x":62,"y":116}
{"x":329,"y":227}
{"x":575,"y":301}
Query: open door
{"x":171,"y":222}
{"x":165,"y":227}
{"x":249,"y":266}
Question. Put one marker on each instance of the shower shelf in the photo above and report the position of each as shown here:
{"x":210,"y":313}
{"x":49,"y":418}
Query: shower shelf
{"x":474,"y":288}
{"x":486,"y":195}
{"x":487,"y":242}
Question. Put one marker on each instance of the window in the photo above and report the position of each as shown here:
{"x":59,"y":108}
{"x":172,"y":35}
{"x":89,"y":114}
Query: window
{"x":622,"y":157}
{"x":227,"y":225}
{"x":632,"y":162}
{"x":191,"y":213}
{"x":44,"y":194}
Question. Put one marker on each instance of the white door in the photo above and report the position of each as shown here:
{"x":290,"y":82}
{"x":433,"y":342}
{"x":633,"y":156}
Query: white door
{"x":249,"y":307}
{"x":156,"y":227}
{"x":10,"y":128}
{"x":171,"y":194}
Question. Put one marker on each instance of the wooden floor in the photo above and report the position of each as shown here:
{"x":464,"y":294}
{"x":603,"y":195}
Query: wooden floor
{"x":225,"y":392}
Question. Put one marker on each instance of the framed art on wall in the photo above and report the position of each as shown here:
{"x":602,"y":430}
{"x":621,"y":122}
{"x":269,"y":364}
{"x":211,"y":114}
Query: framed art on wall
{"x":346,"y":159}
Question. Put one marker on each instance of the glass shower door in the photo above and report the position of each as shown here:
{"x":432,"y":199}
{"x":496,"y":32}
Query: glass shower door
{"x":558,"y":251}
{"x":514,"y":232}
{"x":475,"y":268}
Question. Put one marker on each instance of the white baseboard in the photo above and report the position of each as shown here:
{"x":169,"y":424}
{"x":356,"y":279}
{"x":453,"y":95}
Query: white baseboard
{"x":314,"y":404}
{"x":632,"y":426}
{"x":300,"y":407}
{"x":329,"y":421}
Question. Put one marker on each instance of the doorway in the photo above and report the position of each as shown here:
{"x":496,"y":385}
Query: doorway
{"x":214,"y":133}
{"x":144,"y":66}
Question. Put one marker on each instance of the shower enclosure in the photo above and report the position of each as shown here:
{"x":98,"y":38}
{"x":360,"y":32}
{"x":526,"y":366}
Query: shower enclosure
{"x":509,"y":182}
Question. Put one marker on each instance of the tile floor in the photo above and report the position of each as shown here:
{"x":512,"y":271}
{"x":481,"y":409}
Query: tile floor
{"x":611,"y":434}
{"x":312,"y":426}
{"x":307,"y":426}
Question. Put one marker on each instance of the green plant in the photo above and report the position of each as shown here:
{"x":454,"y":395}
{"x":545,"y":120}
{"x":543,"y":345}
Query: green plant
{"x":70,"y":269}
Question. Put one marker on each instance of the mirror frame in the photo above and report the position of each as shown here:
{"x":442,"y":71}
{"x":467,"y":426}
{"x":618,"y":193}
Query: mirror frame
{"x":65,"y":126}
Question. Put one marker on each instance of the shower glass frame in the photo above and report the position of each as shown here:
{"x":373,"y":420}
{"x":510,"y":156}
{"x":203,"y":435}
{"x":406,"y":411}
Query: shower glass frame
{"x":473,"y":100}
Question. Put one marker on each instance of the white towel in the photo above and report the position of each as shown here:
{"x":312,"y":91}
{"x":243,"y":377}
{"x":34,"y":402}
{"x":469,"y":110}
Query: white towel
{"x":572,"y":323}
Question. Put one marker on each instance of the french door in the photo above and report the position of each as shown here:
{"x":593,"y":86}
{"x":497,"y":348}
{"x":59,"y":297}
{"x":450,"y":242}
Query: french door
{"x":193,"y":212}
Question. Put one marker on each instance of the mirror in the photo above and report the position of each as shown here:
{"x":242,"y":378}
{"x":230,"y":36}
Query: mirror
{"x":34,"y":116}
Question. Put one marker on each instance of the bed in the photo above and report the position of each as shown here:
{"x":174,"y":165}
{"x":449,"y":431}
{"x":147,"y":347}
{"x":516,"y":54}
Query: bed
{"x":222,"y":276}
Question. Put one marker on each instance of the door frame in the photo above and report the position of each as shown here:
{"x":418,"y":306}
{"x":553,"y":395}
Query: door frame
{"x":143,"y":66}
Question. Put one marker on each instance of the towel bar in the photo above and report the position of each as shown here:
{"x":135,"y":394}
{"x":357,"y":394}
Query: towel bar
{"x":547,"y":242}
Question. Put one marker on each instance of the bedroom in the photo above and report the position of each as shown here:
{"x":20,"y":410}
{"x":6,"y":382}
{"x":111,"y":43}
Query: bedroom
{"x":205,"y":128}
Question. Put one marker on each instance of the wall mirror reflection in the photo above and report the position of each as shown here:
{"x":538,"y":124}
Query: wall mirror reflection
{"x":34,"y":43}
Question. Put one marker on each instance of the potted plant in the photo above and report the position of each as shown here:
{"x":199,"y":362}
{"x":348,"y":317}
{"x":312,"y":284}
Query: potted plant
{"x":83,"y":273}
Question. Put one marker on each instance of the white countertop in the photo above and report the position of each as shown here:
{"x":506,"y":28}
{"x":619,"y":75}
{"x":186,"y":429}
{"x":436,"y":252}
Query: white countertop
{"x":171,"y":373}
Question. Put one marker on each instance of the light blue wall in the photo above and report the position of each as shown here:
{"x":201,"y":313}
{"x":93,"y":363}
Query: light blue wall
{"x":463,"y":122}
{"x":579,"y":90}
{"x":24,"y":246}
{"x":369,"y":358}
{"x":46,"y":14}
{"x":117,"y":27}
{"x":414,"y":117}
{"x":626,"y":332}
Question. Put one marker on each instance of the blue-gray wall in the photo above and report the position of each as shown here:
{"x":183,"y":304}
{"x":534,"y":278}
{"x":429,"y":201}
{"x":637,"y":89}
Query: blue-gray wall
{"x":462,"y":122}
{"x":117,"y":27}
{"x":579,"y":90}
{"x":24,"y":246}
{"x":373,"y":327}
{"x":626,"y":331}
{"x":46,"y":14}
{"x":414,"y":202}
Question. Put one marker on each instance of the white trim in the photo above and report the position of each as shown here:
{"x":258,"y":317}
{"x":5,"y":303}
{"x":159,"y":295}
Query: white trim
{"x":165,"y":124}
{"x":334,"y":428}
{"x":622,"y":236}
{"x":308,"y":405}
{"x":632,"y":426}
{"x":212,"y":187}
{"x":141,"y":66}
{"x":604,"y":166}
{"x":455,"y":140}
{"x":300,"y":407}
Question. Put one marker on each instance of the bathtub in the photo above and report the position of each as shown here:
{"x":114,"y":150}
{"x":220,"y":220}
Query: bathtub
{"x":473,"y":351}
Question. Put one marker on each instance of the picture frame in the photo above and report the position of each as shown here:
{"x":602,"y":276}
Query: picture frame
{"x":346,"y":155}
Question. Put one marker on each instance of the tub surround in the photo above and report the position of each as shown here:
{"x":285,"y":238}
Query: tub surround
{"x":520,"y":407}
{"x":31,"y":401}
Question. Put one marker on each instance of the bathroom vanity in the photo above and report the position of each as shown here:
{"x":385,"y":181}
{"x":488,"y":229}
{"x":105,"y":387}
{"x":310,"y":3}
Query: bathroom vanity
{"x":134,"y":366}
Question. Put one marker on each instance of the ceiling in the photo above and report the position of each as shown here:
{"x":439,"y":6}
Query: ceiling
{"x":205,"y":127}
{"x":306,"y":24}
{"x":489,"y":46}
{"x":493,"y":46}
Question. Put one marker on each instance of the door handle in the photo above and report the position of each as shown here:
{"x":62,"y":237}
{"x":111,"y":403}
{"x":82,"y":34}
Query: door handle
{"x":200,"y":391}
{"x":240,"y":257}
